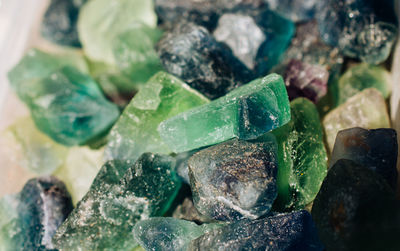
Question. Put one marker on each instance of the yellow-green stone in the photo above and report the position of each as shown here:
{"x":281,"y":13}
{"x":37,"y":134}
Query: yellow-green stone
{"x":302,"y":157}
{"x":245,"y":113}
{"x":135,"y":132}
{"x":363,"y":76}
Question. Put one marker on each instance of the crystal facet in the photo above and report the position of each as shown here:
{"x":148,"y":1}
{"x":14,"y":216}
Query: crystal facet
{"x":375,"y":149}
{"x":302,"y":157}
{"x":367,"y":109}
{"x":121,"y":194}
{"x":295,"y":10}
{"x":135,"y":132}
{"x":235,"y":179}
{"x":245,"y":113}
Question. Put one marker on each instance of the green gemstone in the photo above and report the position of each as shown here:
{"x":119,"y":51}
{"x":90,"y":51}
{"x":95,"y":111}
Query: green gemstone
{"x":245,"y":113}
{"x":135,"y":132}
{"x":100,"y":21}
{"x":9,"y":225}
{"x":363,"y":76}
{"x":32,"y":149}
{"x":69,"y":107}
{"x":80,"y":168}
{"x":120,"y":195}
{"x":37,"y":64}
{"x":366,"y":109}
{"x":162,"y":233}
{"x":135,"y":57}
{"x":302,"y":157}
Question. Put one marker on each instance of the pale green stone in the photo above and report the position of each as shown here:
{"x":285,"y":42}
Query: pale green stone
{"x":367,"y":110}
{"x":135,"y":132}
{"x":245,"y":113}
{"x":100,"y":21}
{"x":9,"y":226}
{"x":79,"y":170}
{"x":37,"y":64}
{"x":31,"y":149}
{"x":363,"y":76}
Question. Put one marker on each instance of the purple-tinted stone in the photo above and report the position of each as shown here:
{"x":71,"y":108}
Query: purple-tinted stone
{"x":306,"y":80}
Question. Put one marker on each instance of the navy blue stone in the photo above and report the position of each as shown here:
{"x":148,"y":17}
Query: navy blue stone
{"x":356,"y":210}
{"x":192,"y":54}
{"x":44,"y":204}
{"x":59,"y":24}
{"x":293,"y":231}
{"x":375,"y":149}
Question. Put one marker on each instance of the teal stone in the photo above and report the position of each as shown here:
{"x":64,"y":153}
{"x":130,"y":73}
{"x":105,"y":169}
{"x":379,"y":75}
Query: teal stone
{"x":169,"y":233}
{"x":69,"y":107}
{"x":121,"y":195}
{"x":245,"y":113}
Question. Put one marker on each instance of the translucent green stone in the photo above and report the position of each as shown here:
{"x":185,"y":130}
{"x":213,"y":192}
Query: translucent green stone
{"x":100,"y":21}
{"x":121,"y":195}
{"x":135,"y":57}
{"x":9,"y":226}
{"x":31,"y":149}
{"x":169,"y":233}
{"x":245,"y":113}
{"x":135,"y":132}
{"x":69,"y":107}
{"x":37,"y":64}
{"x":79,"y":170}
{"x":366,"y":109}
{"x":363,"y":76}
{"x":302,"y":157}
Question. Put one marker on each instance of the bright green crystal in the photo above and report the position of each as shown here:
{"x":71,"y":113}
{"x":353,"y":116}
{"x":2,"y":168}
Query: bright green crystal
{"x":79,"y":170}
{"x":100,"y":21}
{"x":37,"y":64}
{"x":135,"y":57}
{"x":245,"y":113}
{"x":121,"y":194}
{"x":69,"y":107}
{"x":164,"y":96}
{"x":31,"y":149}
{"x":363,"y":76}
{"x":367,"y":110}
{"x":302,"y":157}
{"x":162,"y":233}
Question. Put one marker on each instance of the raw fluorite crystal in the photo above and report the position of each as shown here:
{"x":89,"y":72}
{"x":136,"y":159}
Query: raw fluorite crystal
{"x":201,"y":12}
{"x":37,"y":64}
{"x":363,"y":76}
{"x":302,"y":157}
{"x":35,"y":214}
{"x":246,"y":113}
{"x":293,"y":231}
{"x":375,"y":149}
{"x":364,"y":29}
{"x":367,"y":109}
{"x":80,"y":168}
{"x":137,"y":58}
{"x":101,"y":21}
{"x":306,"y":80}
{"x":192,"y":54}
{"x":235,"y":179}
{"x":187,"y":211}
{"x":135,"y":132}
{"x":182,"y":167}
{"x":295,"y":10}
{"x":308,"y":47}
{"x":69,"y":107}
{"x":257,"y":40}
{"x":354,"y":210}
{"x":60,"y":21}
{"x":169,"y":233}
{"x":121,"y":194}
{"x":31,"y":149}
